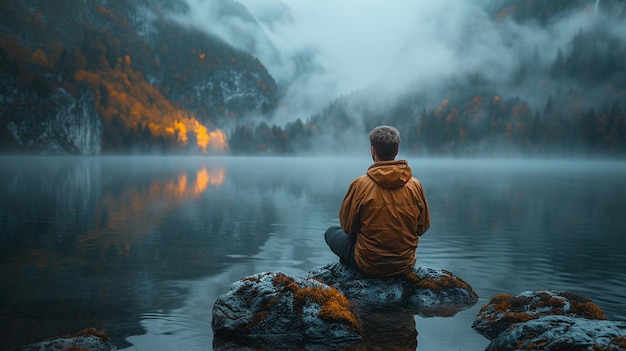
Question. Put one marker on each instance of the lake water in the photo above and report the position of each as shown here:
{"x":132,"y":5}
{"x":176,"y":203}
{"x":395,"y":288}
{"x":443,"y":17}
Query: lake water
{"x":141,"y":247}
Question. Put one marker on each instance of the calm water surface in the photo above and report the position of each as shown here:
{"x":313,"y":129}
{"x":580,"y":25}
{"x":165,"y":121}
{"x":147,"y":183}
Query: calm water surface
{"x":141,"y":247}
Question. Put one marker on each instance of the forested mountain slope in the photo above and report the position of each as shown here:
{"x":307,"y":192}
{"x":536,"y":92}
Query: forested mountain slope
{"x":527,"y":77}
{"x":537,"y":98}
{"x":156,"y":83}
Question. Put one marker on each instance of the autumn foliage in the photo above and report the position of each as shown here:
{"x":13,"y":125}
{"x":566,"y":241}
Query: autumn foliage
{"x":123,"y":96}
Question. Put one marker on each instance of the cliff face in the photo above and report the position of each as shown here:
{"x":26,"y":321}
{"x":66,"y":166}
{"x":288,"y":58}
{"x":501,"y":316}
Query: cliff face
{"x":60,"y":123}
{"x":48,"y":116}
{"x":100,"y":76}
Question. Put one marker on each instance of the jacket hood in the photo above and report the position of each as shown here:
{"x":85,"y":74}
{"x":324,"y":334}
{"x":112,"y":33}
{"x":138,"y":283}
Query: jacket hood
{"x":390,"y":174}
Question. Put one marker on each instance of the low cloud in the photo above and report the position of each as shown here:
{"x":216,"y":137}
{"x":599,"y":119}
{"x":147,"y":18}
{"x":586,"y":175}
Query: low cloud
{"x":320,"y":50}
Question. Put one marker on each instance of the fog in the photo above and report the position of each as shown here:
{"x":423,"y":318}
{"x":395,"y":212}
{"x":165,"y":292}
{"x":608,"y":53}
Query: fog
{"x":318,"y":51}
{"x":142,"y":247}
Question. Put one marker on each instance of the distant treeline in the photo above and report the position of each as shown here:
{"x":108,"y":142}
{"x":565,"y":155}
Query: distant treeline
{"x":571,"y":104}
{"x":481,"y":126}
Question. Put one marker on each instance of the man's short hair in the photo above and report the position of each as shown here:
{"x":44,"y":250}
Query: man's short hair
{"x":386,"y":141}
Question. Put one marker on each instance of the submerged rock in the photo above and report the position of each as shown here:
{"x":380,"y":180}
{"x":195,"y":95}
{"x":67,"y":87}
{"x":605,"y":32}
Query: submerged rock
{"x":425,"y":291}
{"x":505,"y":310}
{"x":269,"y":307}
{"x":562,"y":333}
{"x":88,"y":339}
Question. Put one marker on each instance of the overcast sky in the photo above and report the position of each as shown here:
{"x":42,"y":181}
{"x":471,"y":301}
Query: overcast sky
{"x":358,"y":42}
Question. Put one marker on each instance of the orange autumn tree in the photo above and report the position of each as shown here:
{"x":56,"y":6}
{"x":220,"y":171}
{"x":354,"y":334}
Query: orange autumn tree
{"x":123,"y":96}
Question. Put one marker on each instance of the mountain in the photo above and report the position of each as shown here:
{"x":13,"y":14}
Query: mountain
{"x":555,"y":87}
{"x":123,"y":76}
{"x":530,"y":77}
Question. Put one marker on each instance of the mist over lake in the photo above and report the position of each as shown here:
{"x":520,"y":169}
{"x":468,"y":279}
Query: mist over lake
{"x":142,"y":247}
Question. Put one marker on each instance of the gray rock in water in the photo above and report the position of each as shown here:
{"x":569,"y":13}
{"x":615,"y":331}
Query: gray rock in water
{"x":562,"y":333}
{"x":504,"y":310}
{"x":333,"y":305}
{"x":88,"y":339}
{"x":274,"y":307}
{"x":425,"y":291}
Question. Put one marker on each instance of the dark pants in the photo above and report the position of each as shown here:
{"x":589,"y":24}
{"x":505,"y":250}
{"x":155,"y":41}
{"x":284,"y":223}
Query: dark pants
{"x":342,"y":245}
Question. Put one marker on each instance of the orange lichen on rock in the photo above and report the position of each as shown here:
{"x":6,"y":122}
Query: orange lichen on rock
{"x":71,"y":340}
{"x":334,"y":306}
{"x":90,"y":331}
{"x":504,"y":310}
{"x":549,"y":302}
{"x":588,"y":310}
{"x":281,"y":280}
{"x":499,"y":303}
{"x":72,"y":347}
{"x":533,"y":346}
{"x":584,"y":307}
{"x":619,"y":341}
{"x":544,"y":303}
{"x":265,"y":309}
{"x":516,"y":317}
{"x":250,"y":279}
{"x":446,"y":281}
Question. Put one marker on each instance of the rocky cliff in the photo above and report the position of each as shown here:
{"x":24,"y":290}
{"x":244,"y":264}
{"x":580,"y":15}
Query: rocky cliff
{"x":61,"y":122}
{"x":100,"y":76}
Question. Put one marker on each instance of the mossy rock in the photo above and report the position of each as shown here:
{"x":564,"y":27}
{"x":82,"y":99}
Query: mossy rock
{"x":425,"y":291}
{"x":562,"y":333}
{"x":504,"y":310}
{"x":88,"y":339}
{"x":272,"y":307}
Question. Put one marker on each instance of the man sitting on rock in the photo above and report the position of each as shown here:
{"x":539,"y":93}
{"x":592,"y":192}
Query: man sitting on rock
{"x":383,"y":214}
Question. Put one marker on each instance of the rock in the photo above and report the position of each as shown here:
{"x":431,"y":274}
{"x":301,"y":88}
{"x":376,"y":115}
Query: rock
{"x":562,"y":333}
{"x":504,"y":310}
{"x":88,"y":339}
{"x":61,"y":123}
{"x":274,"y":307}
{"x":334,"y":304}
{"x":426,"y":291}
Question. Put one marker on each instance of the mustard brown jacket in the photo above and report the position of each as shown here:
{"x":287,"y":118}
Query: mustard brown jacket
{"x":387,"y":211}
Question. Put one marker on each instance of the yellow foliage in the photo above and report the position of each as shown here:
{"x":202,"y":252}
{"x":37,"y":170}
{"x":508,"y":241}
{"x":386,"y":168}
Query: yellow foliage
{"x":136,"y":102}
{"x":443,"y":107}
{"x":475,"y":106}
{"x":13,"y":49}
{"x":39,"y":57}
{"x":182,"y":132}
{"x":452,"y":115}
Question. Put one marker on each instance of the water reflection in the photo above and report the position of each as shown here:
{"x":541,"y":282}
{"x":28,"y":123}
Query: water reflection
{"x":90,"y":241}
{"x":141,"y":247}
{"x":385,"y":330}
{"x":536,"y":224}
{"x":382,"y":330}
